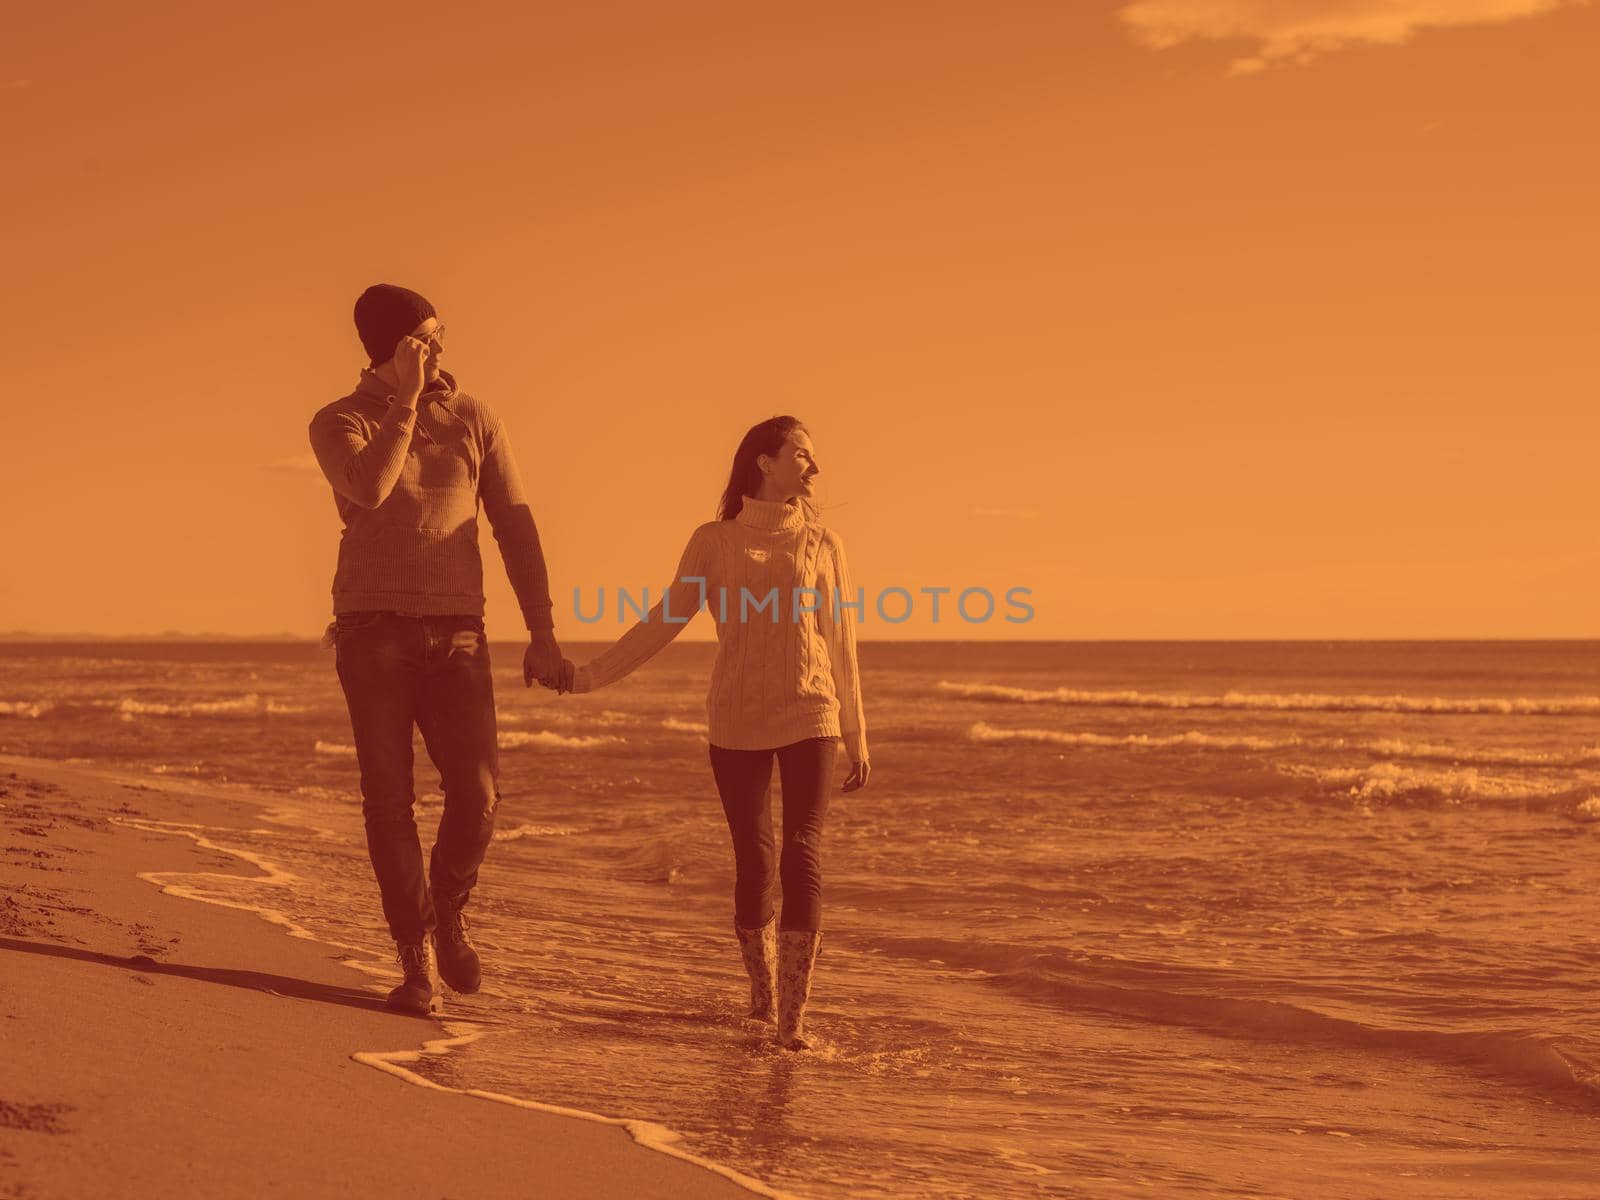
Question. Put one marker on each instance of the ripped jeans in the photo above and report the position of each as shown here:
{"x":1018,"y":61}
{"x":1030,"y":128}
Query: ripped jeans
{"x":431,"y":672}
{"x":744,"y":780}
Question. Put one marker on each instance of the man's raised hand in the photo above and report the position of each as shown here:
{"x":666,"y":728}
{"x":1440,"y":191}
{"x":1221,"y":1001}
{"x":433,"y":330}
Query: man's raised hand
{"x":410,"y":357}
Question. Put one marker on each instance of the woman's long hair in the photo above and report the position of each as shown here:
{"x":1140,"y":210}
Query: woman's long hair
{"x":745,"y":477}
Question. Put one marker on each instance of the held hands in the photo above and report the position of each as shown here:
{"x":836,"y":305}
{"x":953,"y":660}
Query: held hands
{"x":857,"y":778}
{"x":542,"y":661}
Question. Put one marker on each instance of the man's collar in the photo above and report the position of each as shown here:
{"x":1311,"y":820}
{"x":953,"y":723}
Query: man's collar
{"x":371,"y":387}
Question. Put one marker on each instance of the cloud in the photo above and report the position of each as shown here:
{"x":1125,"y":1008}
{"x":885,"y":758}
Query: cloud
{"x":1299,"y":30}
{"x":299,"y":464}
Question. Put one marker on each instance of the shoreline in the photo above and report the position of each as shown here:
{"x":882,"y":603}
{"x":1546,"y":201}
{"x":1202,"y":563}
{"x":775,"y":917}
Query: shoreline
{"x":138,"y":1080}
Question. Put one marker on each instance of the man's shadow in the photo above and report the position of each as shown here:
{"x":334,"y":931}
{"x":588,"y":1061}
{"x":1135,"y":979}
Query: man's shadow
{"x":255,"y":981}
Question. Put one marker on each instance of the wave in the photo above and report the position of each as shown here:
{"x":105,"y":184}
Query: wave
{"x":247,"y":705}
{"x":659,"y":860}
{"x":1171,"y":995}
{"x":1390,"y":781}
{"x":128,"y":708}
{"x":1293,"y":701}
{"x":678,"y":726}
{"x":515,"y":739}
{"x":517,"y":832}
{"x":508,"y":739}
{"x":29,"y":709}
{"x":1527,"y":1057}
{"x":982,"y":732}
{"x":1587,"y":756}
{"x":1457,"y":783}
{"x":209,"y":708}
{"x":316,"y":792}
{"x":1505,"y":757}
{"x":604,"y":718}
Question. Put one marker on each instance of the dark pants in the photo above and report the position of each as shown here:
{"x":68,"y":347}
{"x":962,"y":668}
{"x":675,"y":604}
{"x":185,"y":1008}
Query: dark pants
{"x":744,"y":780}
{"x":431,"y":672}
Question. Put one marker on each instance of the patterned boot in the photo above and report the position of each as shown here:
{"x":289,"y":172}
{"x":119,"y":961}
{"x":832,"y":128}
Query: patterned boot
{"x":760,"y":950}
{"x":797,"y":953}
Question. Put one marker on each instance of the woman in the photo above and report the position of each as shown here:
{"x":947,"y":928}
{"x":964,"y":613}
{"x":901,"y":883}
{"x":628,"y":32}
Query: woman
{"x":784,"y":686}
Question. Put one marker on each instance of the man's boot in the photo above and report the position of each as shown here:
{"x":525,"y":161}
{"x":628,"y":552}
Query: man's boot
{"x":418,"y":992}
{"x":458,"y":958}
{"x":760,"y":950}
{"x":797,"y":954}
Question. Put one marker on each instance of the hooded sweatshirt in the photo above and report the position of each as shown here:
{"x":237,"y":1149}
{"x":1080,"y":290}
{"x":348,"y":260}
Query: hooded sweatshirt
{"x":408,"y":486}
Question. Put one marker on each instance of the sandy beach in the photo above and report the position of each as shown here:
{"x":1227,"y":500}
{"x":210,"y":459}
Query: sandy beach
{"x":155,"y":1046}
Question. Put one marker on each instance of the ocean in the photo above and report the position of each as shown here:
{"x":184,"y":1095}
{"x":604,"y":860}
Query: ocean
{"x":1111,"y":919}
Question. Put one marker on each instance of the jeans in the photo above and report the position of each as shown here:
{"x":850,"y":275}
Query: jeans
{"x":744,"y":780}
{"x":431,"y":672}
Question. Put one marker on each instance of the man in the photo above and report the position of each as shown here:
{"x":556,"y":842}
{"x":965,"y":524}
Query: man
{"x":411,"y":458}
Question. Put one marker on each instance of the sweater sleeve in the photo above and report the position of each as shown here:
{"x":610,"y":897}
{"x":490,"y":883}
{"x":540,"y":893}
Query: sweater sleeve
{"x":511,"y":518}
{"x":363,"y":470}
{"x":840,"y":622}
{"x":679,"y":603}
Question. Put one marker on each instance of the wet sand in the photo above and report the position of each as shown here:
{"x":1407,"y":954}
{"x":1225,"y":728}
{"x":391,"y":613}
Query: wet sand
{"x":154,"y":1046}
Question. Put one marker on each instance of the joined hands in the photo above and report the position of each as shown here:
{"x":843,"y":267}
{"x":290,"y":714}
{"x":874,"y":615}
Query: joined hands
{"x":542,"y":661}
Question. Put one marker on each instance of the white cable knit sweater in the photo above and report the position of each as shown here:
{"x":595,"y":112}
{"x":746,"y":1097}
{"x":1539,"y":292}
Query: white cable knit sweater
{"x":775,"y":681}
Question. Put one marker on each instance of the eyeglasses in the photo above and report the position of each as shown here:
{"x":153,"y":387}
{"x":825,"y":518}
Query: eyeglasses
{"x":436,"y":337}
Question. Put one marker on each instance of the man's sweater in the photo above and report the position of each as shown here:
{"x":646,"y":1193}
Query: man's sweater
{"x":408,"y":485}
{"x":774,"y":681}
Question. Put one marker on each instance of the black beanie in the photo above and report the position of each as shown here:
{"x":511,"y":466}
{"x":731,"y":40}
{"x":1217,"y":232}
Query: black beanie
{"x":385,"y":314}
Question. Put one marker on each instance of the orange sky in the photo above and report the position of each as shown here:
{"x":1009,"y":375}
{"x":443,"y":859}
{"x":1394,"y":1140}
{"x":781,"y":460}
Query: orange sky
{"x":1277,"y":334}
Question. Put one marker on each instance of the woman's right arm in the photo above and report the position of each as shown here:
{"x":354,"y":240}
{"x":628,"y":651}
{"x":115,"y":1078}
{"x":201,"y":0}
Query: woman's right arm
{"x":653,"y":631}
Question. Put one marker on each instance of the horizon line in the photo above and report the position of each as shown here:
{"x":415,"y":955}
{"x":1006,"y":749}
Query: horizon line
{"x":24,"y":637}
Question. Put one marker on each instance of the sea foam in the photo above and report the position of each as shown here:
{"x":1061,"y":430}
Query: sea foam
{"x":515,"y":739}
{"x":246,"y":705}
{"x":30,"y":709}
{"x":1391,"y":781}
{"x":1393,"y":748}
{"x":517,"y":832}
{"x":678,"y":726}
{"x":1509,"y":756}
{"x":1291,"y":701}
{"x":983,"y":732}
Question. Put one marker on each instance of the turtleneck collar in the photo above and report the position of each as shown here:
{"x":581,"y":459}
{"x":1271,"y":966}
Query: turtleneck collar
{"x":443,"y":388}
{"x":771,"y":515}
